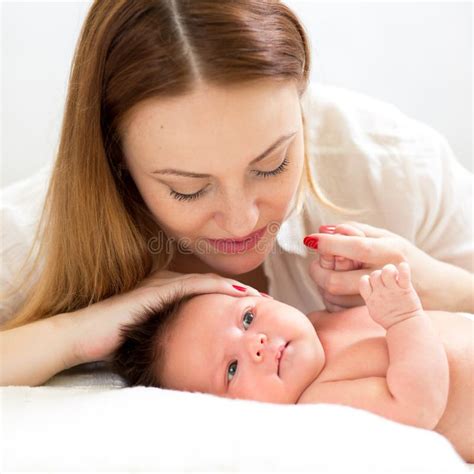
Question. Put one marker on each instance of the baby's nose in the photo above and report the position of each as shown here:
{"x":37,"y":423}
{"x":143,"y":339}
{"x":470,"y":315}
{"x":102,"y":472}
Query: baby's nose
{"x":259,"y":346}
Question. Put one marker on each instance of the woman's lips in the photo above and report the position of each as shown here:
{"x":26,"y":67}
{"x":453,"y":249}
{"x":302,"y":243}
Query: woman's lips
{"x":237,"y":241}
{"x":234,"y":246}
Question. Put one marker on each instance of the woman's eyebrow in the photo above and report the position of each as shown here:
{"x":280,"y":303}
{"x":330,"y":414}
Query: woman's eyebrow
{"x":190,"y":174}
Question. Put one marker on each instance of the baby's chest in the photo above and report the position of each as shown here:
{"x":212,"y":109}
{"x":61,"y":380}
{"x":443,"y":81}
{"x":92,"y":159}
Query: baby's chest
{"x":355,"y":356}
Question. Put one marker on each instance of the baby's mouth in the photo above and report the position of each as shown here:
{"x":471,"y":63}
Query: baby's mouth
{"x":279,"y":355}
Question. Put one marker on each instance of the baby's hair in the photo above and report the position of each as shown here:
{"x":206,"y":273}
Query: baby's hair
{"x":140,"y":357}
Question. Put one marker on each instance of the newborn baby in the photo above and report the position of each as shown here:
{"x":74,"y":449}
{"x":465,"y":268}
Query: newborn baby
{"x":389,"y":357}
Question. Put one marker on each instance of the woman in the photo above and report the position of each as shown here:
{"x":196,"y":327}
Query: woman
{"x":191,"y":123}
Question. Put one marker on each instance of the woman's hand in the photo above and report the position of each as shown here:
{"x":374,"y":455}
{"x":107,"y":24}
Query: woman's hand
{"x":364,"y":249}
{"x":336,"y":262}
{"x":97,"y":327}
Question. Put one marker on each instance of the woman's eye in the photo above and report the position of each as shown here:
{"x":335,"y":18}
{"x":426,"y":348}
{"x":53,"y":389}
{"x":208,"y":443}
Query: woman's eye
{"x":261,"y":174}
{"x":280,"y":169}
{"x":187,"y":197}
{"x":231,"y":371}
{"x":248,"y":319}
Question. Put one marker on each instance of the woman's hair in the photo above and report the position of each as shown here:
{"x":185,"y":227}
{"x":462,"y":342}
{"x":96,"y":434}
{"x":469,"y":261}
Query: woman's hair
{"x":141,"y":355}
{"x":93,"y":234}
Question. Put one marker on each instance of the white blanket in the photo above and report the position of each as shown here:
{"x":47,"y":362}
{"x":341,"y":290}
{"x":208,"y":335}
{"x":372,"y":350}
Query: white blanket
{"x":84,"y":419}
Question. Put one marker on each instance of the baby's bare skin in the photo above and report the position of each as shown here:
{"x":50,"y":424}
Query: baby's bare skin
{"x":356,"y":349}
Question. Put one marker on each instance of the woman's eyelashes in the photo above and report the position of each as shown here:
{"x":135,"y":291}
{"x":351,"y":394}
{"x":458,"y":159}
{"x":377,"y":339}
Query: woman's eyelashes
{"x":232,"y":368}
{"x":280,"y":169}
{"x":187,"y":197}
{"x":260,"y":174}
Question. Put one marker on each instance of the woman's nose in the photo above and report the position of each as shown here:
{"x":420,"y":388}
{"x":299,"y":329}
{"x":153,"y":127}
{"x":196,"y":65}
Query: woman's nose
{"x":238,"y":215}
{"x":258,"y":346}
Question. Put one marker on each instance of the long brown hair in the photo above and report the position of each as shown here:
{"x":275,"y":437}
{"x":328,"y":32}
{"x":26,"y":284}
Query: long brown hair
{"x":93,"y":231}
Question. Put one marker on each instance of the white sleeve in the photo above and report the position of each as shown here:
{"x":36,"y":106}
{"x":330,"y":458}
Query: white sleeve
{"x":444,"y":191}
{"x":401,"y":173}
{"x":21,"y":204}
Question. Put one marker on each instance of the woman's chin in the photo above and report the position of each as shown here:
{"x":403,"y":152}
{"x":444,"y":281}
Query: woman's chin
{"x":234,"y":263}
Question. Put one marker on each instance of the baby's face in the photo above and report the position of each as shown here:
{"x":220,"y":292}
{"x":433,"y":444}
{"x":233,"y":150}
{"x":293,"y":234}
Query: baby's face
{"x":229,"y":346}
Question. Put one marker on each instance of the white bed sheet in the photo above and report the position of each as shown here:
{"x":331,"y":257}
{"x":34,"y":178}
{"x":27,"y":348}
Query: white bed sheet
{"x":85,"y":419}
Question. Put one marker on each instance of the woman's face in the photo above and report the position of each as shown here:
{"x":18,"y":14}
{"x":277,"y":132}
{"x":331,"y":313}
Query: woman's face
{"x":230,"y":346}
{"x":218,"y":134}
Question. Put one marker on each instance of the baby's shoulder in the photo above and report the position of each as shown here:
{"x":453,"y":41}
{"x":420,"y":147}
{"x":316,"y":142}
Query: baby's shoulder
{"x":350,"y":319}
{"x":455,"y":330}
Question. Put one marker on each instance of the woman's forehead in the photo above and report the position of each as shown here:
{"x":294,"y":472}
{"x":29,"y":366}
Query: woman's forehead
{"x":205,"y":123}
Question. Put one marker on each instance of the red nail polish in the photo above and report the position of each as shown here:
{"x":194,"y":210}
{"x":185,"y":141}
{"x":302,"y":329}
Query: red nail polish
{"x":311,"y":242}
{"x":264,"y":294}
{"x":240,"y":288}
{"x":327,"y":229}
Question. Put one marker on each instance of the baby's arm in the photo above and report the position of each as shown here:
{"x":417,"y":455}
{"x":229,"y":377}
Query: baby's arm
{"x":418,"y":372}
{"x":415,"y":389}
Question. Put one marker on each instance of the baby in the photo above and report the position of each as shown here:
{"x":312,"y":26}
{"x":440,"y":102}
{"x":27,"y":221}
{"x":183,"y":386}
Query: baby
{"x":389,"y":357}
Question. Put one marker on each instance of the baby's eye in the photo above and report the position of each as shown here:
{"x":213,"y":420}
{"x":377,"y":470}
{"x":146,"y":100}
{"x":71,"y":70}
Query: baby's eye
{"x":232,"y":369}
{"x":249,"y":320}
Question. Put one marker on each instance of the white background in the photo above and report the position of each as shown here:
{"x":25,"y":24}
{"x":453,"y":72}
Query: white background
{"x":416,"y":55}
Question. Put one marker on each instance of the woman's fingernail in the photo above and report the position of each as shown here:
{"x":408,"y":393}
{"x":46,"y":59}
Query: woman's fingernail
{"x":264,"y":294}
{"x":240,"y":288}
{"x":328,"y":229}
{"x":311,"y":242}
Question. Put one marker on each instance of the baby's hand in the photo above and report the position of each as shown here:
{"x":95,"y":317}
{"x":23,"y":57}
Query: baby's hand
{"x":389,"y":295}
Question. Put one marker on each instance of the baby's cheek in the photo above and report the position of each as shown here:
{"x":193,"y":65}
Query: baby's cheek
{"x":253,"y":388}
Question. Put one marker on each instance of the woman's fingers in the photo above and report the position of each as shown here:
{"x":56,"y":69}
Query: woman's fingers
{"x":336,"y":283}
{"x":335,"y":262}
{"x":368,"y":230}
{"x":199,"y":283}
{"x":326,"y":261}
{"x":342,"y":263}
{"x":349,"y":229}
{"x":214,"y":283}
{"x":362,"y":249}
{"x":344,"y":301}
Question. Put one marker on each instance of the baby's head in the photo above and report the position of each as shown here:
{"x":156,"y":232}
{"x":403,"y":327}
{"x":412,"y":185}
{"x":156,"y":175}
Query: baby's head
{"x":222,"y":345}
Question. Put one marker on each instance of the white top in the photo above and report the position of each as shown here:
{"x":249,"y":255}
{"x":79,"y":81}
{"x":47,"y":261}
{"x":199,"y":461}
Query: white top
{"x":371,"y":156}
{"x":367,"y":154}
